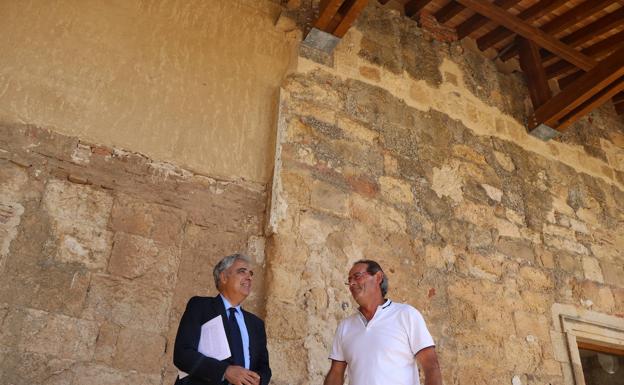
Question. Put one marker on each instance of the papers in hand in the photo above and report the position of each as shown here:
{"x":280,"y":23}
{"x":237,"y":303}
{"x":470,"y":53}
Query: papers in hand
{"x":213,"y":342}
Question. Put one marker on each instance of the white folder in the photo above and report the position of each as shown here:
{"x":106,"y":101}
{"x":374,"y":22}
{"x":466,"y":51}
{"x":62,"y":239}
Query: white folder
{"x":213,"y":342}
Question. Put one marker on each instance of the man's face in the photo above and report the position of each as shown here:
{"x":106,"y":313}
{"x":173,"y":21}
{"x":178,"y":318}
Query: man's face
{"x":362,"y":285}
{"x":236,"y":281}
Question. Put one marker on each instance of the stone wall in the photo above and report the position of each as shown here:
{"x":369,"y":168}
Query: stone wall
{"x":414,"y":153}
{"x":100,"y":249}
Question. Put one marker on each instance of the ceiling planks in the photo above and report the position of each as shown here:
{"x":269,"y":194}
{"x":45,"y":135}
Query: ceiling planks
{"x":500,"y":33}
{"x":527,"y":31}
{"x":566,"y":20}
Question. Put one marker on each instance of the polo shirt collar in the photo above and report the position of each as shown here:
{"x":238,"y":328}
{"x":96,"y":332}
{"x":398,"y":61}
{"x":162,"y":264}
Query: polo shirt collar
{"x":380,"y":308}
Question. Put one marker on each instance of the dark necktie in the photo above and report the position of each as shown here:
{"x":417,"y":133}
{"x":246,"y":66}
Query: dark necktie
{"x":236,"y":341}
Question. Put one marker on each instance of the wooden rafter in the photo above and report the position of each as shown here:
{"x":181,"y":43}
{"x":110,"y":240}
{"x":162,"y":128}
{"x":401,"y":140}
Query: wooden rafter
{"x":564,"y":21}
{"x":477,"y":21}
{"x":449,"y":11}
{"x":526,"y":30}
{"x":606,"y":23}
{"x":337,"y":16}
{"x":588,"y":91}
{"x":597,"y":51}
{"x":592,"y":103}
{"x":539,"y":9}
{"x":413,"y":7}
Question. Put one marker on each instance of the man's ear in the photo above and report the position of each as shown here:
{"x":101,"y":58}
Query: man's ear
{"x":379,"y":276}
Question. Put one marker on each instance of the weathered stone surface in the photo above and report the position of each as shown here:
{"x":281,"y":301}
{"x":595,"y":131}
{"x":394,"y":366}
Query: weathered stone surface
{"x":161,"y":223}
{"x":56,"y":335}
{"x":106,"y":343}
{"x":79,"y":218}
{"x":104,"y":375}
{"x":591,"y":267}
{"x":127,"y":303}
{"x":143,"y":260}
{"x":139,"y":350}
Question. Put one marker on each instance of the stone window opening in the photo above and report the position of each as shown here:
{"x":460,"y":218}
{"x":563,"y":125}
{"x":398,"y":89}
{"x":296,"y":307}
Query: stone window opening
{"x":589,"y":345}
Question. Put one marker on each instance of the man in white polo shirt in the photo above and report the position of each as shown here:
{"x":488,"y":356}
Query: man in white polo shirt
{"x":381,"y":343}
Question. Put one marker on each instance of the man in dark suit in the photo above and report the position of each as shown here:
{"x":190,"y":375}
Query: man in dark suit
{"x":249,"y":363}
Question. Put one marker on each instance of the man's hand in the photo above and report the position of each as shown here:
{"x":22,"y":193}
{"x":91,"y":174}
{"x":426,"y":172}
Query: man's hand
{"x":428,"y":360}
{"x":336,"y":373}
{"x":237,"y":375}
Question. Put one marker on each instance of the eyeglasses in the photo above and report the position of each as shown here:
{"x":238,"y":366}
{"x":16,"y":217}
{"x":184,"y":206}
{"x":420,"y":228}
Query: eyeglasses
{"x":357,"y":277}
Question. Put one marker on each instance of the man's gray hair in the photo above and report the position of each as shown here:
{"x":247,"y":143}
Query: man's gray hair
{"x":225,"y":264}
{"x":373,"y":267}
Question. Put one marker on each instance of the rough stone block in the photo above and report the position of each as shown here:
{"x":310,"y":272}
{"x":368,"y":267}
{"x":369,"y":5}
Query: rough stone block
{"x":79,"y":218}
{"x":532,"y":324}
{"x":138,"y":258}
{"x":591,"y":268}
{"x":328,"y":198}
{"x":378,"y":215}
{"x":535,"y":279}
{"x":522,"y":356}
{"x":565,"y":244}
{"x":396,"y":190}
{"x":446,"y":181}
{"x":57,"y":335}
{"x":516,"y":248}
{"x":46,"y":287}
{"x":128,"y":304}
{"x":163,"y":224}
{"x":106,"y":343}
{"x":504,"y":161}
{"x":613,"y":273}
{"x":18,"y":366}
{"x":139,"y":350}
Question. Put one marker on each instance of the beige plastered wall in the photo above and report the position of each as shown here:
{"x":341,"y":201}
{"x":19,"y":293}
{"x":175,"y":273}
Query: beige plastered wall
{"x":191,"y":82}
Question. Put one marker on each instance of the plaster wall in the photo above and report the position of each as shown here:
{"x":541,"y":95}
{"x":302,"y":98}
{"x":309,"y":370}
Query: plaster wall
{"x":172,"y":80}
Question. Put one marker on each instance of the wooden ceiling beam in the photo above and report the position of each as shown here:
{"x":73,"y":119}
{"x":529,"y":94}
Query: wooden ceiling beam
{"x":337,"y":16}
{"x":596,"y":83}
{"x":449,"y":11}
{"x":328,"y":10}
{"x":564,"y":21}
{"x":526,"y":30}
{"x":477,"y":21}
{"x":592,"y":103}
{"x":604,"y":24}
{"x":596,"y":51}
{"x":413,"y":7}
{"x":500,"y":33}
{"x":349,"y":11}
{"x":534,"y":73}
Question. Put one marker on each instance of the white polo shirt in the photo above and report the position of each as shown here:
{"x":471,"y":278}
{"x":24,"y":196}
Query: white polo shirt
{"x":382,"y":351}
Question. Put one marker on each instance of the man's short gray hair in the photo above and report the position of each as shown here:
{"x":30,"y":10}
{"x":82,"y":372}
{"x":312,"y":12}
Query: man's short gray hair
{"x":372,"y":267}
{"x":225,"y":264}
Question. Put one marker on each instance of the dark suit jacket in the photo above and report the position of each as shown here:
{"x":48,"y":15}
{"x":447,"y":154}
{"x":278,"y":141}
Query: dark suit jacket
{"x":204,"y":370}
